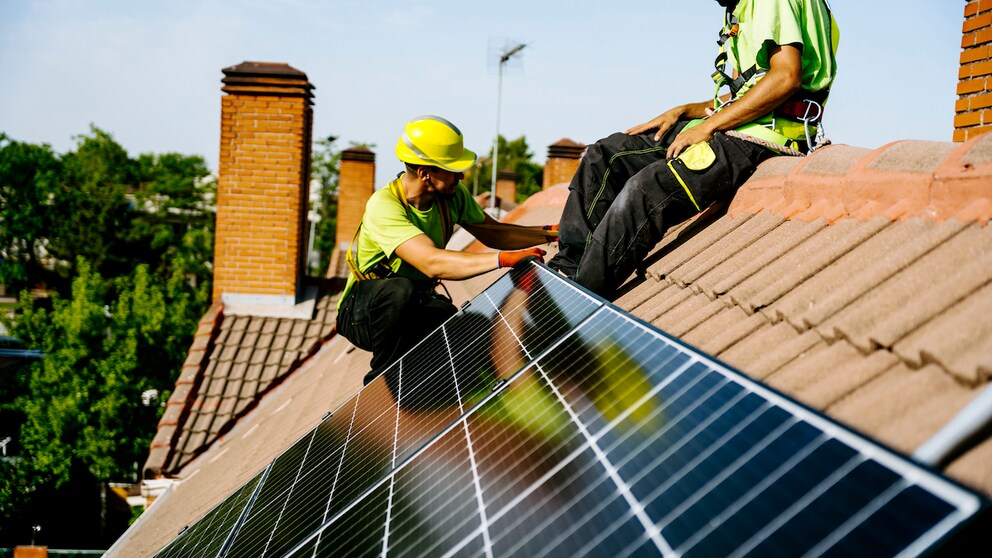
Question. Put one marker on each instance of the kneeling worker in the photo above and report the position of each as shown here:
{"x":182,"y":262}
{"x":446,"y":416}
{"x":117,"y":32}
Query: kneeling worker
{"x":398,"y":257}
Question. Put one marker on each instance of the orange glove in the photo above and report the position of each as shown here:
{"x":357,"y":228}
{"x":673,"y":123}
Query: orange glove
{"x":552,"y":235}
{"x":512,"y":258}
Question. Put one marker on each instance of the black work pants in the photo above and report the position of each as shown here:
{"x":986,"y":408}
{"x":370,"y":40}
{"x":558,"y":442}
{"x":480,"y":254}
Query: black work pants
{"x":626,"y":193}
{"x":387,"y":317}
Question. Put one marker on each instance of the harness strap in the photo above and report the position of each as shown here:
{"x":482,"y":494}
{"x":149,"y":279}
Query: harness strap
{"x":383,"y":268}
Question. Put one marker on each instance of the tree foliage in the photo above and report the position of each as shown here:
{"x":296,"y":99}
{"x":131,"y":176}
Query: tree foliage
{"x":514,"y":155}
{"x":324,"y":176}
{"x":126,"y":245}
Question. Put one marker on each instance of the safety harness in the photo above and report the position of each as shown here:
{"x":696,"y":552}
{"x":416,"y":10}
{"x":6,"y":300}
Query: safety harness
{"x":802,"y":111}
{"x":382,"y":269}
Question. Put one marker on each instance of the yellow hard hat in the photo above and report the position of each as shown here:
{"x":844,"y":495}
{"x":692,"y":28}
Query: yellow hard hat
{"x":433,"y":141}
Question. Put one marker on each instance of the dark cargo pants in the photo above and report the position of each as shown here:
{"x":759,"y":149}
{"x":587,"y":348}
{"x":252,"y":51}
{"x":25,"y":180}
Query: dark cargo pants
{"x":387,"y":317}
{"x":625,"y":194}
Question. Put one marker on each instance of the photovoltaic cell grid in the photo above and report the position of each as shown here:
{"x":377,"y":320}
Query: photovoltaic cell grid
{"x":541,"y":421}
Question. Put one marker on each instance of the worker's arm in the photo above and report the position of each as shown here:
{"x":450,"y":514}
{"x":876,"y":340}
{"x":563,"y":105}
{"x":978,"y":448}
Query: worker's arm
{"x":667,"y":119}
{"x":436,"y":263}
{"x":507,"y":236}
{"x":784,"y":77}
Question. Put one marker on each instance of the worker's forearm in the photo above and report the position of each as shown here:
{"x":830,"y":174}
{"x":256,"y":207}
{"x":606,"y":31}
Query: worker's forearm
{"x":504,"y":236}
{"x":448,"y":264}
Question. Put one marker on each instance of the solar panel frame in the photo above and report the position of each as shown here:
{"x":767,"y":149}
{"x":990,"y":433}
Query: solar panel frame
{"x":462,"y":349}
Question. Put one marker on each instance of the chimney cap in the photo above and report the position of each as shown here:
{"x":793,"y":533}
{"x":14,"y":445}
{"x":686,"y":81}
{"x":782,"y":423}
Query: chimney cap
{"x":565,"y":149}
{"x":358,"y":153}
{"x":260,"y":69}
{"x":565,"y":142}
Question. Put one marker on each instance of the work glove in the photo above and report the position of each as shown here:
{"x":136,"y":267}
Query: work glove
{"x":551,"y":233}
{"x":511,"y":258}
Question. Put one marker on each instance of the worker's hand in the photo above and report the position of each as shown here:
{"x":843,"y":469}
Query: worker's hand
{"x":662,"y":123}
{"x":510,"y":258}
{"x":687,"y":138}
{"x":551,"y":233}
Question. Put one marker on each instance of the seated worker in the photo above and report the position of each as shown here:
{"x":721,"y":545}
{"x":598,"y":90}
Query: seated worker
{"x":630,"y":187}
{"x":390,"y":301}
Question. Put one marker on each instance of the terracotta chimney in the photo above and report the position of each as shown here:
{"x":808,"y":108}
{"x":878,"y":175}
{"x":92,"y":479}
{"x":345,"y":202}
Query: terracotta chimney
{"x":563,"y":159}
{"x":973,"y":110}
{"x":356,"y":183}
{"x":262,"y":189}
{"x":506,"y":186}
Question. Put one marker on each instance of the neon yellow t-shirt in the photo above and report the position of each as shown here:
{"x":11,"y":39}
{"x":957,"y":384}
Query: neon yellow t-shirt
{"x":386,"y":225}
{"x":764,"y":24}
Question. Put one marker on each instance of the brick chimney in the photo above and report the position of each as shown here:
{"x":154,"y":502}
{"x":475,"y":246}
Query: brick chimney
{"x":506,"y":186}
{"x":262,"y":189}
{"x":973,"y":110}
{"x":563,"y":159}
{"x":356,"y":183}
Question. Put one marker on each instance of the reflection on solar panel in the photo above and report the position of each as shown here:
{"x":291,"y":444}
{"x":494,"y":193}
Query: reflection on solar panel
{"x":540,"y":420}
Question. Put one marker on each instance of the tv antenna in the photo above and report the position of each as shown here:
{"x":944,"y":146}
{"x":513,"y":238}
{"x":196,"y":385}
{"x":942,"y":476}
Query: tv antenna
{"x":506,"y":53}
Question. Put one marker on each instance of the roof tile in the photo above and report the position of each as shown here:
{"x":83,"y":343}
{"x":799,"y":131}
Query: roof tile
{"x":714,"y":253}
{"x":665,"y":300}
{"x":942,"y":275}
{"x":826,"y":373}
{"x":727,"y":318}
{"x":781,"y":353}
{"x":738,"y":266}
{"x":861,"y":269}
{"x":804,"y":261}
{"x":904,"y":407}
{"x":674,"y":320}
{"x":752,"y":348}
{"x":960,"y":340}
{"x":695,"y":245}
{"x":733,"y":334}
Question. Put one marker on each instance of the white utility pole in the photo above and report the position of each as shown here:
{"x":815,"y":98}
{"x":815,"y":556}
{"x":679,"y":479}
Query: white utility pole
{"x":503,"y":58}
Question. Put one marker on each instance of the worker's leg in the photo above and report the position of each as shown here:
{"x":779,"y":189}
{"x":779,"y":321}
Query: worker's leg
{"x":387,"y":318}
{"x":658,"y":197}
{"x":604,"y":169}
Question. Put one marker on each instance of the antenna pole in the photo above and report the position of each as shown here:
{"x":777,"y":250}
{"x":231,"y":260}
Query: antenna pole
{"x":499,"y":101}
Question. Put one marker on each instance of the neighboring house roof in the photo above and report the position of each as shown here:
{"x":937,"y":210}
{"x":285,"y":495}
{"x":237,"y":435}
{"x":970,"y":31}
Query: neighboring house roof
{"x":233,"y":362}
{"x":857,"y":281}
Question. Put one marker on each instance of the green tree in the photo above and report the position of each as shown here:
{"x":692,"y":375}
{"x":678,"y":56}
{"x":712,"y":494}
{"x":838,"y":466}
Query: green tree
{"x":84,"y":417}
{"x":173,"y":219}
{"x":514,"y":155}
{"x":324,"y":176}
{"x":90,"y":213}
{"x":29,"y":180}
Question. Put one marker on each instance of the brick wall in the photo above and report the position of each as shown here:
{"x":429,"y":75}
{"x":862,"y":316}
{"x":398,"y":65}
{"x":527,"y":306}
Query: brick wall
{"x":973,"y":110}
{"x":563,"y":159}
{"x":356,"y":183}
{"x":262,"y":188}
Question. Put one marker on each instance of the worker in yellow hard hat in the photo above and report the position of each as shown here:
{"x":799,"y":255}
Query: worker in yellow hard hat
{"x":398,"y":255}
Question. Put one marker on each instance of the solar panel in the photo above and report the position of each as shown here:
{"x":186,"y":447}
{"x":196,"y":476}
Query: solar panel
{"x":542,"y":421}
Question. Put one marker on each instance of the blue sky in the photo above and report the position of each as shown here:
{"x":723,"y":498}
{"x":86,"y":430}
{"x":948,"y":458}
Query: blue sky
{"x":149,"y":72}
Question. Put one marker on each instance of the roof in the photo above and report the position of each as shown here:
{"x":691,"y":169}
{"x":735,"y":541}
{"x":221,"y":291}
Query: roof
{"x":856,"y":281}
{"x":233,"y":362}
